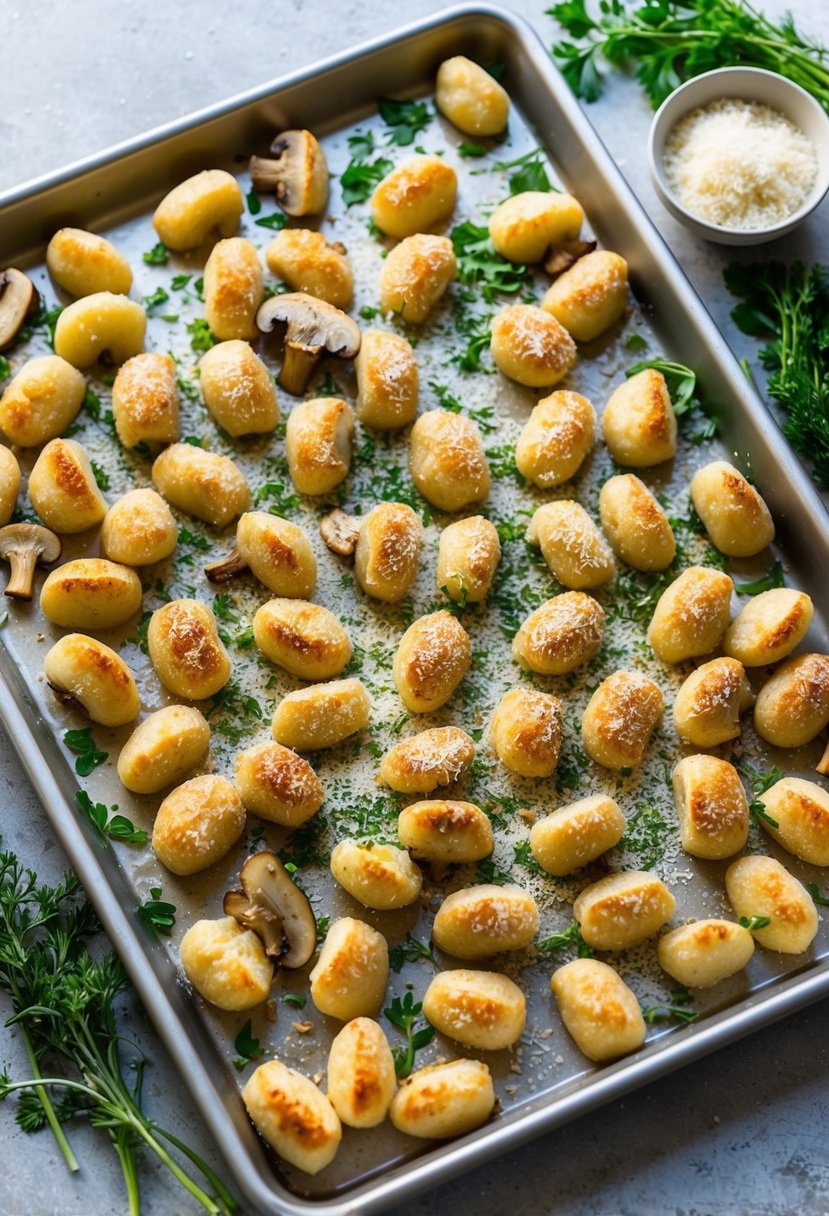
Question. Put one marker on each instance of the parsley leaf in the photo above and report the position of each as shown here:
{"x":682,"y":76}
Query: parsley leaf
{"x":246,"y":1046}
{"x":115,"y":827}
{"x":570,"y":937}
{"x":201,"y":338}
{"x":361,"y":175}
{"x":769,"y":581}
{"x":83,"y":745}
{"x":676,"y":1010}
{"x":159,"y":255}
{"x":275,"y":222}
{"x":530,"y":172}
{"x":410,"y":951}
{"x":5,"y":368}
{"x":753,"y":923}
{"x":156,"y":914}
{"x":814,"y":891}
{"x":760,"y":782}
{"x":405,"y":118}
{"x":471,"y":150}
{"x":404,"y":1014}
{"x":478,"y":263}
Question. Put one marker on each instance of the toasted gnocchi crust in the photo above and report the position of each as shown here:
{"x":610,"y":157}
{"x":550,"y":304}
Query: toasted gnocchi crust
{"x":801,"y":811}
{"x":361,"y":1076}
{"x":293,"y":1115}
{"x":591,"y":296}
{"x":388,"y":551}
{"x":639,"y":423}
{"x":278,"y":553}
{"x":574,"y":835}
{"x":9,"y":484}
{"x":769,"y":627}
{"x":691,"y":615}
{"x":530,"y":346}
{"x":163,"y":749}
{"x":525,"y":732}
{"x":350,"y":976}
{"x":278,"y":785}
{"x":556,"y":439}
{"x":792,"y":708}
{"x":525,"y":226}
{"x":598,"y":1009}
{"x":421,"y":763}
{"x":145,"y":400}
{"x":562,"y":634}
{"x":468,"y":555}
{"x":322,"y":716}
{"x":572,"y":545}
{"x":709,"y":705}
{"x":90,"y":593}
{"x":444,"y":1100}
{"x":735,"y":516}
{"x":447,"y":461}
{"x":306,"y":261}
{"x":185,"y":649}
{"x":762,"y":887}
{"x":238,"y":389}
{"x":226,"y":964}
{"x":41,"y":401}
{"x":623,"y":910}
{"x":318,"y":444}
{"x":378,"y":875}
{"x":480,"y":1009}
{"x":203,"y":484}
{"x":417,"y":195}
{"x":83,"y":263}
{"x":387,"y":380}
{"x":306,"y":639}
{"x":711,"y":806}
{"x":63,"y":489}
{"x":433,"y":657}
{"x":197,"y":824}
{"x":234,"y":288}
{"x":415,"y":275}
{"x":92,"y":675}
{"x":139,"y":529}
{"x":620,"y":718}
{"x":484,"y":920}
{"x":635,"y":523}
{"x":470,"y":98}
{"x":209,"y":202}
{"x":702,"y":954}
{"x":445,"y":831}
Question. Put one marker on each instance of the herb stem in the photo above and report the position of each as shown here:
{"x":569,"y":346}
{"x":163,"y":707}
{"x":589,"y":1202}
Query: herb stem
{"x":48,"y":1109}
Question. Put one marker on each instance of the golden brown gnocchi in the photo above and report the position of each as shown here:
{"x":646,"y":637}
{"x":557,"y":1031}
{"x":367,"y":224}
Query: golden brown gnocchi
{"x":735,"y":516}
{"x":306,"y":639}
{"x":444,"y":1100}
{"x":185,"y":649}
{"x":571,"y":544}
{"x":701,"y":954}
{"x":709,"y":704}
{"x":41,"y":401}
{"x":711,"y":806}
{"x":420,"y":764}
{"x":101,"y":326}
{"x":691,"y":615}
{"x":527,"y":224}
{"x":139,"y":529}
{"x":201,"y":483}
{"x":598,"y":1009}
{"x":306,"y":261}
{"x":759,"y":887}
{"x":620,"y":718}
{"x":415,"y":275}
{"x":238,"y":389}
{"x":387,"y":381}
{"x":635,"y":524}
{"x":83,"y":263}
{"x":445,"y":831}
{"x":90,"y":593}
{"x":63,"y":489}
{"x":278,"y":785}
{"x":145,"y":400}
{"x":417,"y":195}
{"x":433,"y":657}
{"x":639,"y":423}
{"x":470,"y":98}
{"x":380,"y":876}
{"x":801,"y":811}
{"x":9,"y":484}
{"x":591,"y":296}
{"x":163,"y":749}
{"x":447,"y":461}
{"x":468,"y":555}
{"x":197,"y":824}
{"x":208,"y":202}
{"x":361,"y":1076}
{"x":277,"y":552}
{"x":525,"y":732}
{"x":530,"y":346}
{"x":318,"y":444}
{"x":792,"y":708}
{"x":559,"y":636}
{"x":485,"y":919}
{"x":556,"y":439}
{"x":481,"y":1009}
{"x":622,"y":910}
{"x":234,"y":287}
{"x":350,"y":976}
{"x":769,"y":627}
{"x":388,"y":551}
{"x":293,"y":1115}
{"x":226,"y":964}
{"x":577,"y":834}
{"x":91,"y":675}
{"x":311,"y":719}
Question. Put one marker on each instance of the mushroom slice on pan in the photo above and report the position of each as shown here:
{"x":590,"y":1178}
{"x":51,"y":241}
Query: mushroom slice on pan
{"x":561,"y":257}
{"x":340,"y":532}
{"x":25,"y":546}
{"x":272,"y":905}
{"x":296,"y":171}
{"x":19,"y":300}
{"x":312,"y":329}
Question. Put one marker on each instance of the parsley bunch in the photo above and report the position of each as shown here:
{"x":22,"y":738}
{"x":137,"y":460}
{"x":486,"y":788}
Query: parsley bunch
{"x":479,"y":263}
{"x":670,"y":41}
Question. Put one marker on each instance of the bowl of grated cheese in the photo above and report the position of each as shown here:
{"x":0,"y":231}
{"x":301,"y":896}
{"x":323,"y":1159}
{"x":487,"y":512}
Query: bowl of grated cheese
{"x":740,"y":155}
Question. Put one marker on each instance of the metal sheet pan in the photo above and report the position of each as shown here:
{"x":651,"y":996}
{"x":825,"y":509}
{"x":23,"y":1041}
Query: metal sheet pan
{"x":112,"y":188}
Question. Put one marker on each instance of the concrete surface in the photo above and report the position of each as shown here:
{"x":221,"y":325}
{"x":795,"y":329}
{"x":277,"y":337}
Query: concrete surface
{"x":743,"y":1133}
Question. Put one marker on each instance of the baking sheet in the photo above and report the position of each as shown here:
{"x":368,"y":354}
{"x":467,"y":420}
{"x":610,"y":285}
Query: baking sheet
{"x":553,"y":1082}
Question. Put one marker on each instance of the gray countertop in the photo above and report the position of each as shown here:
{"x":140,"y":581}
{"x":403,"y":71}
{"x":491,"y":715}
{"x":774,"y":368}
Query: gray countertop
{"x":744,"y":1131}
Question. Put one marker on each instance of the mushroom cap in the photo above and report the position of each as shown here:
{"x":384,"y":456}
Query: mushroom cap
{"x":276,"y":909}
{"x":16,"y":537}
{"x":340,"y":532}
{"x":311,"y":323}
{"x":18,"y":300}
{"x":297,"y":172}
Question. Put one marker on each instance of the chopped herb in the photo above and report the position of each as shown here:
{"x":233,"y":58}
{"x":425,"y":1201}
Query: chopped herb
{"x":236,"y":714}
{"x":323,"y":925}
{"x":83,"y":745}
{"x":771,"y":580}
{"x":159,"y":255}
{"x":677,"y":1010}
{"x":497,"y":70}
{"x":4,"y":620}
{"x":814,"y":891}
{"x":752,"y":923}
{"x":405,"y":118}
{"x":475,"y":328}
{"x":404,"y":1014}
{"x":760,"y":782}
{"x":200,"y":336}
{"x":115,"y":827}
{"x":159,"y":297}
{"x":280,"y":497}
{"x":307,"y":845}
{"x":636,"y":343}
{"x":194,"y":539}
{"x":225,"y":608}
{"x":245,"y":639}
{"x":295,"y":998}
{"x":478,"y":263}
{"x":524,"y":857}
{"x":530,"y":172}
{"x":180,"y":281}
{"x":471,"y":151}
{"x":92,"y":404}
{"x":645,"y":835}
{"x":5,"y":368}
{"x":254,"y":202}
{"x":198,"y":288}
{"x":139,"y":638}
{"x":195,"y":441}
{"x":101,"y":476}
{"x":570,"y":937}
{"x":410,"y":951}
{"x":246,"y":1046}
{"x":275,"y":222}
{"x":368,"y":313}
{"x":501,"y":460}
{"x":361,"y":176}
{"x":488,"y":871}
{"x":188,"y":388}
{"x":156,"y":914}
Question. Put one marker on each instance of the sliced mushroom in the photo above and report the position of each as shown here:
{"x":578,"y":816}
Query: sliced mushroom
{"x":24,"y":546}
{"x":313,"y":327}
{"x":274,"y":907}
{"x":19,"y":300}
{"x":340,"y":532}
{"x":296,"y":171}
{"x":229,"y":567}
{"x":561,"y":257}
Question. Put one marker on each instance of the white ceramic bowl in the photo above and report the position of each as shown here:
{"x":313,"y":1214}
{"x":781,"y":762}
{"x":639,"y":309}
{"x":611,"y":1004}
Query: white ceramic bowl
{"x":749,"y":84}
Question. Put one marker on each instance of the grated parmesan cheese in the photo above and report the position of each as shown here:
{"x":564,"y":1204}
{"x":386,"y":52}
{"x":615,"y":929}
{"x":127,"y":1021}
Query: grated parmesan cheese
{"x":739,"y":164}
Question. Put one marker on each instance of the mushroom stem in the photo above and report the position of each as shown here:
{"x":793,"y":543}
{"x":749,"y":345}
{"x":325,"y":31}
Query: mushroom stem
{"x":822,"y":765}
{"x":23,"y":546}
{"x":22,"y":577}
{"x":561,"y":257}
{"x":229,"y":567}
{"x":297,"y":366}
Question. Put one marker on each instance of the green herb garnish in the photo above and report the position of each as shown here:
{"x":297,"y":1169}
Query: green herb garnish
{"x":754,"y":922}
{"x":676,"y":1010}
{"x":159,"y":297}
{"x":570,"y":937}
{"x":101,"y":476}
{"x":404,"y":1015}
{"x":471,"y":151}
{"x":530,"y":172}
{"x":156,"y":914}
{"x":769,"y":581}
{"x":405,"y":118}
{"x":814,"y":891}
{"x":5,"y":368}
{"x":361,"y":175}
{"x":478,"y":263}
{"x":159,"y":255}
{"x":83,"y":745}
{"x":295,"y":998}
{"x":409,"y":951}
{"x":109,"y":825}
{"x":275,"y":222}
{"x":760,"y":782}
{"x":201,"y":338}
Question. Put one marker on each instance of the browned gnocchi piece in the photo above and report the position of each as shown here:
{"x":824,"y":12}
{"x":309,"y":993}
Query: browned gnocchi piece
{"x":556,"y":439}
{"x":238,"y":389}
{"x":433,"y":657}
{"x":481,"y":1009}
{"x":598,"y":1009}
{"x":530,"y":346}
{"x":622,"y":910}
{"x":735,"y":516}
{"x":387,"y":381}
{"x":63,"y":489}
{"x":93,"y":676}
{"x":361,"y":1076}
{"x":571,"y":544}
{"x":321,"y":716}
{"x":711,"y":806}
{"x":801,"y":811}
{"x":208,"y":202}
{"x":769,"y":627}
{"x":350,"y":976}
{"x":639,"y":423}
{"x":620,"y":718}
{"x":525,"y":732}
{"x":591,"y":296}
{"x":293,"y":1115}
{"x":41,"y":401}
{"x":139,"y":529}
{"x":468,"y":555}
{"x":380,"y":876}
{"x":447,"y":461}
{"x":9,"y":484}
{"x":145,"y":400}
{"x":563,"y":633}
{"x":691,"y":615}
{"x":708,"y":706}
{"x":226,"y":964}
{"x":388,"y":551}
{"x":485,"y":919}
{"x":234,"y":287}
{"x":306,"y":261}
{"x":574,"y":835}
{"x":90,"y":593}
{"x":318,"y":444}
{"x":420,"y":764}
{"x":278,"y":785}
{"x":163,"y":749}
{"x":83,"y":263}
{"x":185,"y":649}
{"x":792,"y":708}
{"x":100,"y":326}
{"x":635,"y":524}
{"x":445,"y":831}
{"x":444,"y":1100}
{"x":197,"y":824}
{"x":415,"y":275}
{"x":417,"y":195}
{"x":705,"y":952}
{"x":304,"y":638}
{"x":470,"y":98}
{"x":201,"y":483}
{"x":760,"y":887}
{"x":527,"y":224}
{"x":277,"y":552}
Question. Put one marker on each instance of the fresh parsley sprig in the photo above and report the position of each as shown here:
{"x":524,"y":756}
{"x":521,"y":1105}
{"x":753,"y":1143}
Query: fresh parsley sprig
{"x":410,"y":951}
{"x":247,"y":1046}
{"x":361,"y":174}
{"x":530,"y":172}
{"x":404,"y":1015}
{"x":815,"y":892}
{"x":83,"y":745}
{"x":769,"y":581}
{"x":675,"y":1010}
{"x":478,"y":263}
{"x":760,"y":782}
{"x":157,"y":914}
{"x":405,"y":118}
{"x":107,"y":822}
{"x":570,"y":937}
{"x":753,"y":923}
